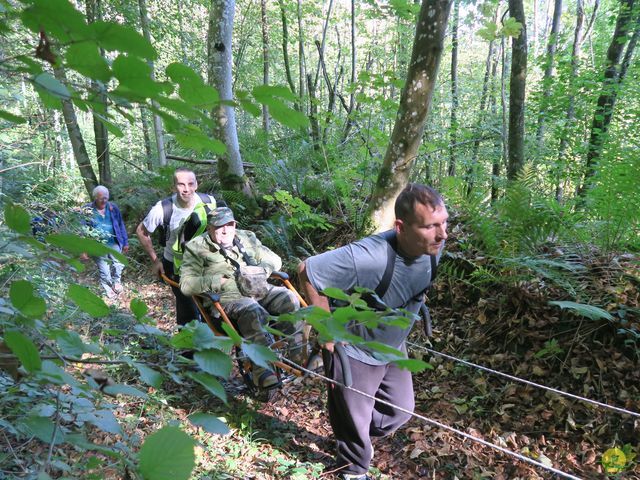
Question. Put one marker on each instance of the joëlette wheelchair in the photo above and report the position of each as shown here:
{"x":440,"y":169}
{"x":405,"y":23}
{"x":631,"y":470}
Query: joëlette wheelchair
{"x":283,"y":371}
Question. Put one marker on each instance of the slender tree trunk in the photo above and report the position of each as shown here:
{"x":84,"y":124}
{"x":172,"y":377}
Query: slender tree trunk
{"x":503,"y":103}
{"x":313,"y":113}
{"x":322,"y":44}
{"x":302,"y":71}
{"x":230,"y":168}
{"x":352,"y":96}
{"x":570,"y":114}
{"x":497,"y":157}
{"x":414,"y":107}
{"x":453,"y":127}
{"x":265,"y":62}
{"x":146,"y":139}
{"x":613,"y":75}
{"x":99,"y":95}
{"x":548,"y":72}
{"x":517,"y":90}
{"x":75,"y":137}
{"x":157,"y":121}
{"x":285,"y":50}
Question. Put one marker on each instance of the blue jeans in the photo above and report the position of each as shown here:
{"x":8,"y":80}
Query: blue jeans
{"x":104,"y":264}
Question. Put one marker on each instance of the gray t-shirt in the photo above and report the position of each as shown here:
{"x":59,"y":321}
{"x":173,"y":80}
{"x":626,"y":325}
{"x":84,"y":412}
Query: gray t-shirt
{"x":155,"y":218}
{"x":363,"y":264}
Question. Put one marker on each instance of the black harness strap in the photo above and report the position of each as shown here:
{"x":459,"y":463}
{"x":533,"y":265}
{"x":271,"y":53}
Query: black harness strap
{"x":245,"y":256}
{"x":167,"y":212}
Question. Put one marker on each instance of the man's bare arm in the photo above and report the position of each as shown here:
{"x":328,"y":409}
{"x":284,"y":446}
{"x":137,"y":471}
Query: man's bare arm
{"x":314,"y":297}
{"x":147,"y":244}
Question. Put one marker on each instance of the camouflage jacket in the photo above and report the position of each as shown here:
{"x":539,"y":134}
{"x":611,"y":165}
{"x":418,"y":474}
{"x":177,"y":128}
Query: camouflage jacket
{"x":204,"y":266}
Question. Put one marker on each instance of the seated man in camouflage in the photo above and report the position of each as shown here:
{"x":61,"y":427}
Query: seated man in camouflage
{"x":234,"y":264}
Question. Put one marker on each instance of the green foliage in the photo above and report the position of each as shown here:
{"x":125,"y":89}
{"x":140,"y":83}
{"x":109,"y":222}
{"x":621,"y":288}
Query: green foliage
{"x":167,"y":454}
{"x":589,"y":311}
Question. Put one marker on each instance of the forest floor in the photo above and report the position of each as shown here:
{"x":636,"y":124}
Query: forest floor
{"x":508,"y":326}
{"x":506,"y":329}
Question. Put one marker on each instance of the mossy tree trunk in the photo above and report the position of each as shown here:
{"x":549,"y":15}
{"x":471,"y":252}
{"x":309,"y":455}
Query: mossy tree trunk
{"x":415,"y":102}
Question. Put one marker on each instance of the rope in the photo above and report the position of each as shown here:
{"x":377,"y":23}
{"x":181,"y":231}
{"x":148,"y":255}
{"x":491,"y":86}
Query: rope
{"x":436,"y":423}
{"x":528,"y":382}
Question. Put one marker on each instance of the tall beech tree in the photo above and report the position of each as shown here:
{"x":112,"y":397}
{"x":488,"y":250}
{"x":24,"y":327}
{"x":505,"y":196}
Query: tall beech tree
{"x":517,"y":92}
{"x":219,"y":59}
{"x":415,"y":103}
{"x":615,"y":70}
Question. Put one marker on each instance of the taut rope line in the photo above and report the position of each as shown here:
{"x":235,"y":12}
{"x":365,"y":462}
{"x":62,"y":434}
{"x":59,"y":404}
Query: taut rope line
{"x":436,"y":423}
{"x":528,"y":382}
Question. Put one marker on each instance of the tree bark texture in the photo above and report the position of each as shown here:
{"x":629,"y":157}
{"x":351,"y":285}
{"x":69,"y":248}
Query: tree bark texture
{"x":453,"y":125}
{"x":517,"y":91}
{"x":265,"y":61}
{"x":230,"y":169}
{"x":157,"y":121}
{"x":75,"y":137}
{"x":285,"y":50}
{"x":146,"y":139}
{"x":415,"y":103}
{"x":571,"y":111}
{"x":548,"y":71}
{"x":99,"y":96}
{"x":606,"y":101}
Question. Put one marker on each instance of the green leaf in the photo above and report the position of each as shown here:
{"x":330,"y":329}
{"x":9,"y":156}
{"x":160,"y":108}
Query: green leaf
{"x":124,"y":390}
{"x":259,"y":354}
{"x":214,"y":362}
{"x":183,"y":339}
{"x":52,"y":85}
{"x":182,"y":74}
{"x":149,"y":375}
{"x":201,"y":96}
{"x":263,"y":93}
{"x":23,"y":298}
{"x":210,"y":383}
{"x":135,"y":76}
{"x":76,"y":245}
{"x":232,"y":333}
{"x":210,"y":423}
{"x":72,"y":345}
{"x":167,"y":454}
{"x":511,"y":27}
{"x":11,"y":117}
{"x":111,"y":127}
{"x":286,"y":115}
{"x":112,"y":36}
{"x":335,"y":293}
{"x":204,"y":338}
{"x":43,"y":429}
{"x":85,"y":59}
{"x":178,"y":106}
{"x":193,"y":138}
{"x":58,"y":18}
{"x":250,"y":107}
{"x":106,"y":421}
{"x":87,"y":301}
{"x":589,"y":311}
{"x":138,"y":307}
{"x":413,"y":365}
{"x":17,"y":218}
{"x":23,"y":348}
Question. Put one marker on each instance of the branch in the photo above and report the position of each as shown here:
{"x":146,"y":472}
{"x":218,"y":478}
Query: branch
{"x":204,"y":162}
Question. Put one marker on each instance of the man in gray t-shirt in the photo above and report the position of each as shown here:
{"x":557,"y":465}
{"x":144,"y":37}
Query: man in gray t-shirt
{"x":420,"y":232}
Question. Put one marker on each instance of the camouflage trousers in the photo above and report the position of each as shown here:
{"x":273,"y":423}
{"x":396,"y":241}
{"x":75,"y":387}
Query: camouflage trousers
{"x":250,"y":314}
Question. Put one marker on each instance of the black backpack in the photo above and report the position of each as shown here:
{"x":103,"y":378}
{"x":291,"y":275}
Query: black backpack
{"x":167,"y":211}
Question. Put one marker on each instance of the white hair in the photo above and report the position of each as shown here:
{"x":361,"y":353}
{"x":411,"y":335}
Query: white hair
{"x":101,"y":189}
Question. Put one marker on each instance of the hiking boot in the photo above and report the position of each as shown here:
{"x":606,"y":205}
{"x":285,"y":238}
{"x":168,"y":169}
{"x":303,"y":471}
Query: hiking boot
{"x":315,"y":362}
{"x":117,"y":287}
{"x":264,"y":378}
{"x":350,"y":476}
{"x":297,"y":349}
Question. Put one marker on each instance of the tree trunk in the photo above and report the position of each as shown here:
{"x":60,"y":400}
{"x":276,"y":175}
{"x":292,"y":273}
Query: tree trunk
{"x":157,"y":121}
{"x":352,"y":96}
{"x":517,"y":90}
{"x":99,"y":96}
{"x":75,"y":137}
{"x":313,"y":114}
{"x":414,"y":107}
{"x":219,"y":37}
{"x":503,"y":102}
{"x":613,"y":75}
{"x":548,"y":72}
{"x":570,"y":114}
{"x":265,"y":62}
{"x":497,"y":157}
{"x":146,"y":139}
{"x":285,"y":50}
{"x":453,"y":126}
{"x":302,"y":73}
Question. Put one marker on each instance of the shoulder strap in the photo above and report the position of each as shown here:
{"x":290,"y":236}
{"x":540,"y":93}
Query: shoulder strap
{"x":385,"y":281}
{"x":167,"y":211}
{"x":245,"y":256}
